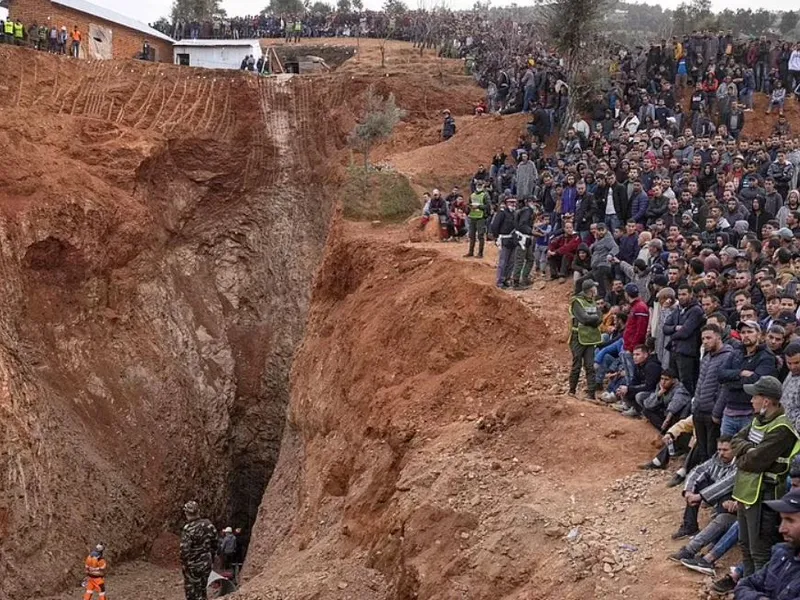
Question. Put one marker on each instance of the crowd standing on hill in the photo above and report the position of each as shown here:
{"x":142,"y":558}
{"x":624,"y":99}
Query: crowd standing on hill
{"x":681,"y":238}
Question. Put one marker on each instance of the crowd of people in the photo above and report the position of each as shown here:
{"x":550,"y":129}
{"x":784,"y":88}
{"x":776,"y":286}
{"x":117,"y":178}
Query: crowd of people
{"x":681,"y":237}
{"x":49,"y":38}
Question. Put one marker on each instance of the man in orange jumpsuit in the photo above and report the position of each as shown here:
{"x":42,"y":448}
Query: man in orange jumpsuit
{"x":96,"y":567}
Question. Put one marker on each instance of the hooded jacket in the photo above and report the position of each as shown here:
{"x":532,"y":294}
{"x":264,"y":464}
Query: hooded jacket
{"x":582,"y":266}
{"x":708,"y":383}
{"x":636,"y":327}
{"x":603,"y":248}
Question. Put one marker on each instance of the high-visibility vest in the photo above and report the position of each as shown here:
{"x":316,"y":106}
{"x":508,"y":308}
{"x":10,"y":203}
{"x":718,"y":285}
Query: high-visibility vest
{"x":747,"y":486}
{"x":477,"y":202}
{"x":18,"y":30}
{"x":588,"y":335}
{"x":8,"y":28}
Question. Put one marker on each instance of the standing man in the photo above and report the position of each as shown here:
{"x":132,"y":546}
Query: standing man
{"x":95,"y":568}
{"x":763,"y":452}
{"x":198,"y":546}
{"x":604,"y":248}
{"x":708,"y":389}
{"x":478,"y":213}
{"x":523,"y":254}
{"x":584,"y":335}
{"x":449,"y":125}
{"x":683,"y":329}
{"x":527,"y":177}
{"x":502,"y":229}
{"x":76,"y":42}
{"x":635,"y":333}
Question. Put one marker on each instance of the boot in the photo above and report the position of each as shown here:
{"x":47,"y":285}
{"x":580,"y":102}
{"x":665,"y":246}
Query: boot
{"x":481,"y":244}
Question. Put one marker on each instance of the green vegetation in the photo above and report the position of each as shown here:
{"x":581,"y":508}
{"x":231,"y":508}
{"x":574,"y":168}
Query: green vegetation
{"x":390,"y":197}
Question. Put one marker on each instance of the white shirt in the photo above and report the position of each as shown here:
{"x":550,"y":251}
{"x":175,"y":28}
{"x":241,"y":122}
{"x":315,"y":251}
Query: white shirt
{"x":610,"y":209}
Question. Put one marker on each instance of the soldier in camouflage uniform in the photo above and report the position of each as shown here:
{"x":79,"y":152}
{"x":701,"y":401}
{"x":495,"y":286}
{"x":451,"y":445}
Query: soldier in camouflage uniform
{"x":198,"y":544}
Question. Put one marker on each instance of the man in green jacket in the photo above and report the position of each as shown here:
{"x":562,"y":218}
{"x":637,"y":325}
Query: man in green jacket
{"x":479,"y":211}
{"x":763,"y":451}
{"x":584,"y":335}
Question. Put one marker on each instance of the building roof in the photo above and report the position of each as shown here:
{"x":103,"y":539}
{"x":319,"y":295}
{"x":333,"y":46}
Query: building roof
{"x":209,"y":43}
{"x":113,"y":17}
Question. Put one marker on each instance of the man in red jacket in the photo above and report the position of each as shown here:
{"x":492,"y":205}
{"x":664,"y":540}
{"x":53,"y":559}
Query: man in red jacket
{"x":635,"y":333}
{"x":561,"y":252}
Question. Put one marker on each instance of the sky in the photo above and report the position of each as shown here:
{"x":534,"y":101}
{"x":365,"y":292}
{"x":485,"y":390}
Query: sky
{"x":150,"y":10}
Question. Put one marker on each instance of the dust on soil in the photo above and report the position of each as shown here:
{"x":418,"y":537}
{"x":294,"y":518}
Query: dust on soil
{"x":429,"y":451}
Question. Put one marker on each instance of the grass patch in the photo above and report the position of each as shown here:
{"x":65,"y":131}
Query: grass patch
{"x":386,"y":196}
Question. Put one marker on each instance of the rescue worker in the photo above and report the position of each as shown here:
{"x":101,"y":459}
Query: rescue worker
{"x":523,"y":254}
{"x":198,"y":546}
{"x":95,"y":568}
{"x":8,"y":30}
{"x":76,"y":42}
{"x":584,"y":335}
{"x":19,"y":33}
{"x":503,"y":225}
{"x":478,"y":213}
{"x":763,"y":450}
{"x":227,"y":548}
{"x":298,"y":30}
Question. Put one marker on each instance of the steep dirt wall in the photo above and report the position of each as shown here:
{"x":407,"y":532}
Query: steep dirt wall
{"x":160,"y":229}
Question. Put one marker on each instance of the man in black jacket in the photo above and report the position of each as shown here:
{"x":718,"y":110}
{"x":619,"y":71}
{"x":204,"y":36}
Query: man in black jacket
{"x":646,"y":375}
{"x":683,"y":327}
{"x":523,"y":253}
{"x":585,"y":209}
{"x":612,"y":202}
{"x":502,"y":230}
{"x":746,"y":365}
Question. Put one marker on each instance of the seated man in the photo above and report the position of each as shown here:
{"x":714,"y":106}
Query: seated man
{"x":669,"y":403}
{"x":710,"y":482}
{"x":646,"y":375}
{"x":727,"y":583}
{"x":780,"y":577}
{"x":676,"y":443}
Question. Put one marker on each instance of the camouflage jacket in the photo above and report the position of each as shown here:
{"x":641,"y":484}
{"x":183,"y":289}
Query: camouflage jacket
{"x":198,"y":543}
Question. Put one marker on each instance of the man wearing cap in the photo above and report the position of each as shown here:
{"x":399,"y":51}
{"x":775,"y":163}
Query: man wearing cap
{"x":502,"y":228}
{"x":683,"y":328}
{"x":763,"y":452}
{"x":523,"y":253}
{"x":198,"y":546}
{"x":95,"y":568}
{"x":227,"y":548}
{"x":584,"y":335}
{"x":780,"y":577}
{"x":745,"y":365}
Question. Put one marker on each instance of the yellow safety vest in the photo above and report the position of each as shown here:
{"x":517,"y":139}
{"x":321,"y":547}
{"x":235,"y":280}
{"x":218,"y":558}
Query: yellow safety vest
{"x":747,"y":487}
{"x":18,"y":30}
{"x":588,"y":335}
{"x":9,"y":27}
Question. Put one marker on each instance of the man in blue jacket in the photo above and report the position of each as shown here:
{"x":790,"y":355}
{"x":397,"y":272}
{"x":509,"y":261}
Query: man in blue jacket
{"x":780,"y":577}
{"x":746,"y":365}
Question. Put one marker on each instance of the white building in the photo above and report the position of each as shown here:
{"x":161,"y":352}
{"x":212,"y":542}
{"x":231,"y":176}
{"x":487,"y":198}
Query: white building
{"x":215,"y":54}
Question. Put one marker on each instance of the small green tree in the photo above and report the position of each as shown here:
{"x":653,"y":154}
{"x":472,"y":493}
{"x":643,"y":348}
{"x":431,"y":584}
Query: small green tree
{"x":573,"y":26}
{"x":343,"y":7}
{"x":379,"y":118}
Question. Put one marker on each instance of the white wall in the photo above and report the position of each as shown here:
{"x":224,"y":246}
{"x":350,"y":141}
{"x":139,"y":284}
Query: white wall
{"x":217,"y":57}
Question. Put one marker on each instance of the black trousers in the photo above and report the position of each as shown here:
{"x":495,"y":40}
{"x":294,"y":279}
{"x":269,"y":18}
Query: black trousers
{"x":688,"y":368}
{"x":581,"y":356}
{"x":758,"y":531}
{"x":707,"y":434}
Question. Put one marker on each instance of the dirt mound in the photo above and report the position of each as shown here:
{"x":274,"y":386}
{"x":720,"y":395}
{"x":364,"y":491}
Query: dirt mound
{"x":444,"y":164}
{"x":423,"y":455}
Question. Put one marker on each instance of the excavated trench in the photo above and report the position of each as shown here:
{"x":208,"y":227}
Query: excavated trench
{"x":160,"y":231}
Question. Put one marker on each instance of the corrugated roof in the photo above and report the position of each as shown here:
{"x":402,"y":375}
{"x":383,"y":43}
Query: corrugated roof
{"x":209,"y":43}
{"x":113,"y":17}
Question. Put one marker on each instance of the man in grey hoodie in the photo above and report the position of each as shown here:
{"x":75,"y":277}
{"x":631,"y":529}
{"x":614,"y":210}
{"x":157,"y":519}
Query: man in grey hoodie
{"x":526,"y":178}
{"x":605,"y":247}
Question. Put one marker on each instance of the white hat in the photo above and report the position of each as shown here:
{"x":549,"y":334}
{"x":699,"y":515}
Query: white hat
{"x":227,"y":530}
